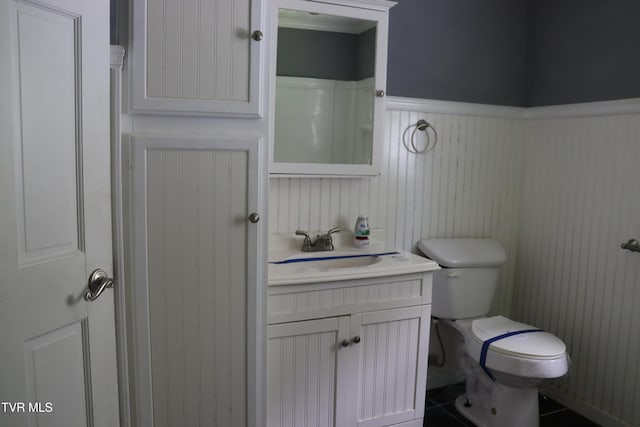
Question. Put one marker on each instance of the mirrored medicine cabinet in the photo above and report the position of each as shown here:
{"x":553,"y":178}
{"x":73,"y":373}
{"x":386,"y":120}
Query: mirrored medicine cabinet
{"x":328,"y":77}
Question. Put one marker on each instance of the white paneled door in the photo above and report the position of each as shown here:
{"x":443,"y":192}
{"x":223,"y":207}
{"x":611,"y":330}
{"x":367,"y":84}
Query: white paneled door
{"x":57,"y":350}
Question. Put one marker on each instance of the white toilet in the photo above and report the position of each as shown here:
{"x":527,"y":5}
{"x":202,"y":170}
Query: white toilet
{"x":504,"y":361}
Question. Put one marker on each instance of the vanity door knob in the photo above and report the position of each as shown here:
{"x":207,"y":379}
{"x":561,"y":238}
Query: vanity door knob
{"x":355,"y":339}
{"x":379,"y":93}
{"x":257,"y":35}
{"x":254,"y":217}
{"x":345,"y":343}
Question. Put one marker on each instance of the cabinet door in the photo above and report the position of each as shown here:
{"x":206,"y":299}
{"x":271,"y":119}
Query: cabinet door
{"x":305,"y":364}
{"x":195,"y":294}
{"x":194,"y":57}
{"x":342,"y":99}
{"x":391,"y":365}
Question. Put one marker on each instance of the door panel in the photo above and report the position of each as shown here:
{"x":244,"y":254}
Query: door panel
{"x":49,"y":145}
{"x":197,"y":306}
{"x":67,"y":346}
{"x":391,"y":355}
{"x":303,"y":360}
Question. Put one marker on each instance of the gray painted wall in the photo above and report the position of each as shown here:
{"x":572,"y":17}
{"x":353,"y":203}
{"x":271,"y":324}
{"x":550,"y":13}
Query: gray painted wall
{"x":320,"y":54}
{"x":515,"y":52}
{"x":583,"y":50}
{"x":325,"y":55}
{"x":458,"y":50}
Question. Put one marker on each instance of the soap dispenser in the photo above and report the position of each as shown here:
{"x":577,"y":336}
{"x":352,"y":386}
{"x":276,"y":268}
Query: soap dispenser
{"x":361,"y":232}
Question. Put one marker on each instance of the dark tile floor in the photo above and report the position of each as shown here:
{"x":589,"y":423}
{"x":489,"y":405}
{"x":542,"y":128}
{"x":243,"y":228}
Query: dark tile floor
{"x":441,"y":411}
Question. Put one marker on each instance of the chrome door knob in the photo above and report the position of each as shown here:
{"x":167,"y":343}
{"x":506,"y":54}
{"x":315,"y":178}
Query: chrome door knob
{"x":98,"y":282}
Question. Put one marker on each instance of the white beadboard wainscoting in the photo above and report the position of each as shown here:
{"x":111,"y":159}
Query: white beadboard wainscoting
{"x":579,"y":203}
{"x":468,"y":187}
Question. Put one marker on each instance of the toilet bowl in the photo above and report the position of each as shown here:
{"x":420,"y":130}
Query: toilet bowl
{"x":504,"y":361}
{"x":505,"y":391}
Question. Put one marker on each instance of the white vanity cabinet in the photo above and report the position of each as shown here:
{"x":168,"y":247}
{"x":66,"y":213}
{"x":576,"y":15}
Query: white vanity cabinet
{"x":196,"y":58}
{"x":349,"y":353}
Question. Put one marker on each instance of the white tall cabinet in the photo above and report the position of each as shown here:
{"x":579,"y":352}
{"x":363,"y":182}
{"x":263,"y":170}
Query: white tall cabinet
{"x":194,"y":170}
{"x":349,"y":353}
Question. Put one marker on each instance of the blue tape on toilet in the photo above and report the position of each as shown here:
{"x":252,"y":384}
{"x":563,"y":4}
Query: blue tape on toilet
{"x":487,"y":343}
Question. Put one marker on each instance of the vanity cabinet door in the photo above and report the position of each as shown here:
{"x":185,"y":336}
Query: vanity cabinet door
{"x":391,"y":365}
{"x":306,"y":369}
{"x":196,"y":58}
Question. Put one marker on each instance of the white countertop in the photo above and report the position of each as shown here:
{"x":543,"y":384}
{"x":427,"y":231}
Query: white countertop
{"x":287,"y":247}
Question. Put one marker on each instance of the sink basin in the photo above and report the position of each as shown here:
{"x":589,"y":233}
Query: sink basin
{"x":344,"y":262}
{"x":338,"y":263}
{"x":323,"y":262}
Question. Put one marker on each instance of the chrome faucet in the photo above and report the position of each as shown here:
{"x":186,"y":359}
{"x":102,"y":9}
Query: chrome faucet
{"x":323,"y":242}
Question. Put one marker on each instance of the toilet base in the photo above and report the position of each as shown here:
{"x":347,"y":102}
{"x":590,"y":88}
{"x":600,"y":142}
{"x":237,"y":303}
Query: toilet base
{"x":473,"y":413}
{"x":507,"y":406}
{"x":508,"y":401}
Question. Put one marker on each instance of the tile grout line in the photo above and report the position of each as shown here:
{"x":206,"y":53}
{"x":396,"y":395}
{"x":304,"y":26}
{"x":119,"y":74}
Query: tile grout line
{"x":554,"y":412}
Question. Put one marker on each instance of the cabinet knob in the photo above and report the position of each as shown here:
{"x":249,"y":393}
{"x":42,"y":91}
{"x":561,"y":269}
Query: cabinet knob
{"x":345,"y":343}
{"x":355,"y":339}
{"x":257,"y":35}
{"x":379,"y":93}
{"x":254,"y":217}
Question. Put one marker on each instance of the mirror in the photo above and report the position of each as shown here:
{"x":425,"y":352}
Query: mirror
{"x":325,"y":84}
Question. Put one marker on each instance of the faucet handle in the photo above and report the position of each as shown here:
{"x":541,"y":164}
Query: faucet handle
{"x":328,"y":241}
{"x":306,"y":244}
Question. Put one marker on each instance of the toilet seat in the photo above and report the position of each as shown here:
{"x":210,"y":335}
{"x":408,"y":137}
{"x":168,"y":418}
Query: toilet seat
{"x":541,"y":345}
{"x":532,"y":355}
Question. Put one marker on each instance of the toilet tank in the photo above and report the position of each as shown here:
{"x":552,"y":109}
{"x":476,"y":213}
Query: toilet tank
{"x":465,"y":286}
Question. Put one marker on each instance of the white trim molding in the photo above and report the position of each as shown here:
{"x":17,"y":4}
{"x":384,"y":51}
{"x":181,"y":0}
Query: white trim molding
{"x":452,"y":107}
{"x":586,"y":109}
{"x":381,"y":5}
{"x":117,"y":211}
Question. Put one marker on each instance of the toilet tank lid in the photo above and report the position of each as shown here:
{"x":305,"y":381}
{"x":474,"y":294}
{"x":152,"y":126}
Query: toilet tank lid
{"x":464,"y":252}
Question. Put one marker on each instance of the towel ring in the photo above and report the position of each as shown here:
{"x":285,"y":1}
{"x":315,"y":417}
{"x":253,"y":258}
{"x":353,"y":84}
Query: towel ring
{"x":423,"y":126}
